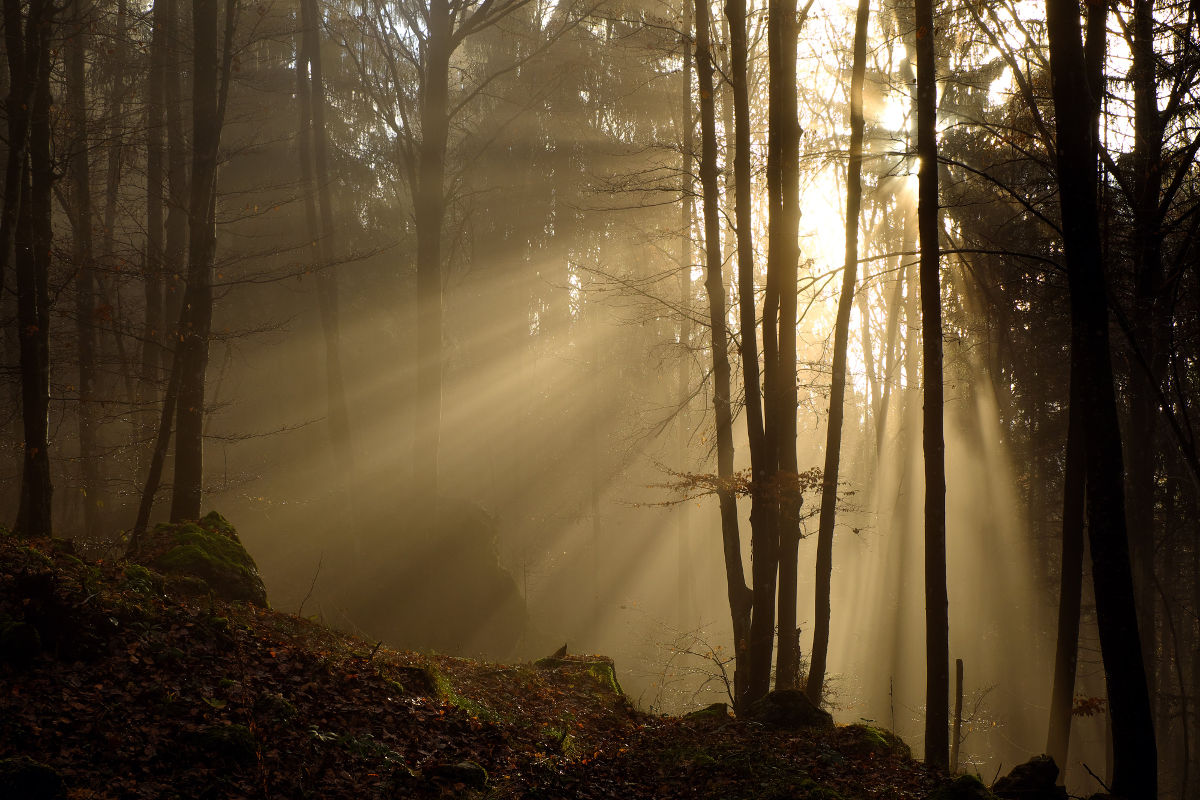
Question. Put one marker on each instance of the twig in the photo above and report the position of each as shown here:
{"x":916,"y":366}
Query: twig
{"x":375,"y":650}
{"x":311,"y":586}
{"x":1097,"y":777}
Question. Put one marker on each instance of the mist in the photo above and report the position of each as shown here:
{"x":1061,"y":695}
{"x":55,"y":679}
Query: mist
{"x":458,"y":387}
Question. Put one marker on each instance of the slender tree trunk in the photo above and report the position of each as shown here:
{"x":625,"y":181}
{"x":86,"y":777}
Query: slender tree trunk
{"x":1066,"y":653}
{"x":1147,"y":242}
{"x":761,"y":512}
{"x":32,"y":255}
{"x":175,"y":245}
{"x":683,"y":388}
{"x":841,"y":337}
{"x":82,"y":257}
{"x":1135,"y":773}
{"x":937,"y":656}
{"x":787,"y":665}
{"x":327,"y":285}
{"x":192,"y":349}
{"x":152,"y":277}
{"x":714,"y":285}
{"x":429,"y":209}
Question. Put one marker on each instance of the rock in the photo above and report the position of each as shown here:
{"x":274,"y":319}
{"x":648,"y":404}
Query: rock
{"x":964,"y":787}
{"x":1034,"y":780}
{"x":30,"y":780}
{"x":209,"y":550}
{"x":601,"y":668}
{"x":867,"y":739}
{"x":718,"y":711}
{"x":465,"y":772}
{"x":789,"y":708}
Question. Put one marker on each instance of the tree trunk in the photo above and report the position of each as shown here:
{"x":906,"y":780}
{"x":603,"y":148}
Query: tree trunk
{"x":152,"y":271}
{"x":192,"y":349}
{"x":1135,"y":772}
{"x":683,"y":388}
{"x":714,"y":284}
{"x":327,"y":286}
{"x":1066,"y":653}
{"x":761,"y":512}
{"x":841,"y":336}
{"x":937,"y":656}
{"x":82,"y":257}
{"x":429,"y":203}
{"x":32,"y":256}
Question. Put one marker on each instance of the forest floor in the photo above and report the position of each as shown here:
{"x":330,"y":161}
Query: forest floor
{"x":127,"y":690}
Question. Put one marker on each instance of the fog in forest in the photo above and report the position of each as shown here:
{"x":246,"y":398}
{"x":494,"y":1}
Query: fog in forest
{"x":460,"y":390}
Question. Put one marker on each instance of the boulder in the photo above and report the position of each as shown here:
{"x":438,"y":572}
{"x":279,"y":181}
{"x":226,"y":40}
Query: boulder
{"x":209,"y":550}
{"x":1036,"y":779}
{"x":717,"y":711}
{"x":789,"y":708}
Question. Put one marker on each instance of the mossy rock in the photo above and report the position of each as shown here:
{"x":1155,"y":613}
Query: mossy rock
{"x":141,"y":579}
{"x":30,"y":780}
{"x":601,"y":668}
{"x":789,"y":708}
{"x":964,"y":787}
{"x":717,"y":711}
{"x":868,"y":739}
{"x":209,"y":550}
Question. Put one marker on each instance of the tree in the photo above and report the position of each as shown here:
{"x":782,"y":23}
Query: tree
{"x":27,"y":214}
{"x":937,"y":656}
{"x":714,"y":285}
{"x":841,"y":336}
{"x":211,"y":64}
{"x":1134,"y":751}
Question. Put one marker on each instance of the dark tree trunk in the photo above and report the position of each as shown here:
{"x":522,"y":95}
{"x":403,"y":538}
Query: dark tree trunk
{"x":761,"y":512}
{"x":327,"y":286}
{"x":937,"y":655}
{"x":1066,"y":655}
{"x":82,"y":256}
{"x":192,"y":349}
{"x":841,"y":337}
{"x":1135,"y":773}
{"x":178,"y":223}
{"x":784,"y":245}
{"x":152,"y":277}
{"x":685,"y":611}
{"x":714,"y":284}
{"x":1147,"y":180}
{"x":32,"y":257}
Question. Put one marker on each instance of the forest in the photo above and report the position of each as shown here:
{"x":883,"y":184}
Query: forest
{"x":836,"y":352}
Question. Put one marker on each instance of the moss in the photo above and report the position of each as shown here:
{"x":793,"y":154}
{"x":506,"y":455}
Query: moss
{"x":208,"y":550}
{"x":717,"y":711}
{"x":141,"y":579}
{"x":864,"y":739}
{"x":811,"y":790}
{"x":446,"y":693}
{"x":605,"y":673}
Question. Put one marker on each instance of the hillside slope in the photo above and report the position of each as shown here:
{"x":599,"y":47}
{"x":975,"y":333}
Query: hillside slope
{"x":120,"y":685}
